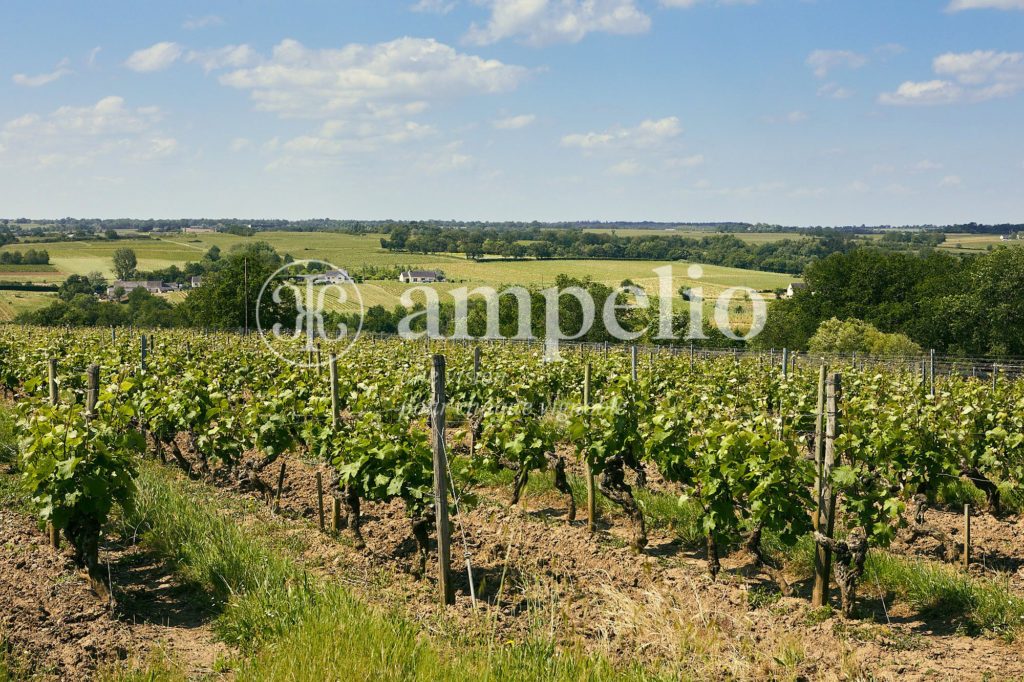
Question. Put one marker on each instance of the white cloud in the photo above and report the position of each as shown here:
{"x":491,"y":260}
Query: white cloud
{"x":300,"y":82}
{"x":433,"y":6}
{"x":648,"y":134}
{"x":75,"y":136}
{"x":448,"y":159}
{"x":821,"y":62}
{"x":835,"y":91}
{"x":927,"y":165}
{"x":686,"y":4}
{"x":966,"y":77}
{"x":951,"y":181}
{"x":44,"y":78}
{"x":154,"y":57}
{"x":241,"y":144}
{"x":514,"y":122}
{"x":196,"y":23}
{"x":543,"y":22}
{"x":93,"y":53}
{"x":230,"y":56}
{"x":960,"y":5}
{"x":625,"y":168}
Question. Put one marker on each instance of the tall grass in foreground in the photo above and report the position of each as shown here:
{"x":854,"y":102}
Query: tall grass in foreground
{"x":295,"y":627}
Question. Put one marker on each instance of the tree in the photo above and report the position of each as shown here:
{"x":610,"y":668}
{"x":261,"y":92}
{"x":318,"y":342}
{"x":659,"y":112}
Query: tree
{"x":857,"y":336}
{"x":125,"y":263}
{"x":226,"y":293}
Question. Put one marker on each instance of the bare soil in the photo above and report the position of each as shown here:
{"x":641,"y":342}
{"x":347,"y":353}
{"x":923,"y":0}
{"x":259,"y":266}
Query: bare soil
{"x":55,"y":627}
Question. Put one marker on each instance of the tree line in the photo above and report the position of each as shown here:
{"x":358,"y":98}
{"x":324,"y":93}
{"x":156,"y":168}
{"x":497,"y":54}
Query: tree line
{"x":30,"y":257}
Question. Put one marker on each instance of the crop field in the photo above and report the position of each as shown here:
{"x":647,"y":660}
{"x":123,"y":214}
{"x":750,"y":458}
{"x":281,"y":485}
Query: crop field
{"x":608,"y":516}
{"x":355,"y":251}
{"x":749,"y":237}
{"x":973,"y":243}
{"x":14,"y":302}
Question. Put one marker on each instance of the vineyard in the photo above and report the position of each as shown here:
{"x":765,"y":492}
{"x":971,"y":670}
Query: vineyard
{"x":836,"y":497}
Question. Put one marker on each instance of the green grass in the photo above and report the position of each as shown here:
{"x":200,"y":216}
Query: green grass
{"x":14,"y":302}
{"x":11,"y":268}
{"x":297,"y":627}
{"x":354,"y":251}
{"x":980,"y":605}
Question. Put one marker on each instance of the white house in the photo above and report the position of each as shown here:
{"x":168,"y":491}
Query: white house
{"x":793,"y":288}
{"x":420,"y":276}
{"x":197,"y":281}
{"x":334,"y":277}
{"x":152,"y":286}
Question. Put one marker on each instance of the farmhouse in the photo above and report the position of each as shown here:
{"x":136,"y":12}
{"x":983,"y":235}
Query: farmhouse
{"x":793,"y":288}
{"x":152,"y":286}
{"x":420,"y":276}
{"x":334,"y":277}
{"x":196,"y":281}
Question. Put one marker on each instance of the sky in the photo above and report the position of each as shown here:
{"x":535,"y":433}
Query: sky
{"x":798,"y":112}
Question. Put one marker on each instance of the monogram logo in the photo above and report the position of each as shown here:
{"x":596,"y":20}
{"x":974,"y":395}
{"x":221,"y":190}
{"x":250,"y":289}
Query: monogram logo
{"x":315,"y":287}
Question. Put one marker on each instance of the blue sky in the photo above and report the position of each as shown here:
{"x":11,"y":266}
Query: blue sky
{"x":791,"y":111}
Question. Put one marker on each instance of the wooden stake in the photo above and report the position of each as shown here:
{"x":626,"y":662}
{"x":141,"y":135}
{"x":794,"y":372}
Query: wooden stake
{"x":320,"y":498}
{"x":92,"y":391}
{"x":335,"y":514}
{"x":591,"y":491}
{"x":53,"y":534}
{"x":967,"y":536}
{"x":142,"y":361}
{"x":819,"y":438}
{"x":51,"y":366}
{"x":785,"y":364}
{"x":476,"y":363}
{"x":280,"y":485}
{"x":826,"y":495}
{"x":333,"y":362}
{"x":931,"y":371}
{"x":632,"y":359}
{"x":444,"y":558}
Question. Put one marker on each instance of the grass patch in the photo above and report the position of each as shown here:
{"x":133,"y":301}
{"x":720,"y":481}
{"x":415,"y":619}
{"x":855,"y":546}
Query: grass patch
{"x":956,"y":492}
{"x":296,"y":627}
{"x":673,"y":513}
{"x":980,"y":605}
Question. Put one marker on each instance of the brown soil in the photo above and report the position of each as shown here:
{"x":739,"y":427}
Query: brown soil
{"x":55,"y":627}
{"x":595,"y":591}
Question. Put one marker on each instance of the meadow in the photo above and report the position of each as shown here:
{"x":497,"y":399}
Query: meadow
{"x":356,"y":251}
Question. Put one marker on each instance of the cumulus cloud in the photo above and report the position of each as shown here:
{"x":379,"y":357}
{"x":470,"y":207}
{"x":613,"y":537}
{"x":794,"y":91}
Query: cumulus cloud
{"x":822,"y":62}
{"x":543,"y":22}
{"x":230,"y":56}
{"x":964,"y":77}
{"x":960,"y":5}
{"x":297,"y":81}
{"x":154,"y":57}
{"x":514,"y":122}
{"x":648,"y":134}
{"x":77,"y":135}
{"x":686,"y":4}
{"x":39,"y":80}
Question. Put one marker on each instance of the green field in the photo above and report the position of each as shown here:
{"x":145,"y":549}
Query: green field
{"x":974,"y":243}
{"x":14,"y":302}
{"x":354,"y":251}
{"x":749,"y":237}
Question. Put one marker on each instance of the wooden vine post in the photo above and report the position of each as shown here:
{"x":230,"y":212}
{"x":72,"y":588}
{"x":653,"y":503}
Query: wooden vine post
{"x":967,"y":536}
{"x":826,"y":495}
{"x":51,"y":365}
{"x":280,"y":486}
{"x":819,"y":435}
{"x":320,"y":498}
{"x":333,"y":362}
{"x":142,"y":361}
{"x":437,"y":414}
{"x":591,"y":491}
{"x":476,"y":363}
{"x":785,"y":364}
{"x":92,"y":391}
{"x":931,"y":372}
{"x":632,"y":360}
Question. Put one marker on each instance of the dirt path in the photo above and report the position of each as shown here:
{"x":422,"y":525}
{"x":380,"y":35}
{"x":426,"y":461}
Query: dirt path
{"x":57,"y":628}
